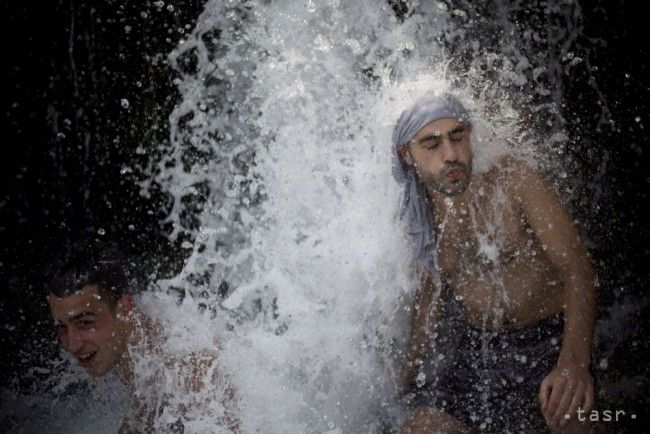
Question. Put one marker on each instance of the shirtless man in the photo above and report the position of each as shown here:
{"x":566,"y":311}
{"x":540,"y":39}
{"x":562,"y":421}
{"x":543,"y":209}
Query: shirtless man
{"x":97,"y":322}
{"x":505,"y":281}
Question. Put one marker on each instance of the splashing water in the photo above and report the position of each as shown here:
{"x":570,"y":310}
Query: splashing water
{"x":279,"y":171}
{"x":281,"y":143}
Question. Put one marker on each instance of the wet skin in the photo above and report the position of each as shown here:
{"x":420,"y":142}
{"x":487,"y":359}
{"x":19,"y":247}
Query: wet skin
{"x":491,"y":258}
{"x":99,"y":336}
{"x":508,"y":248}
{"x":95,"y":333}
{"x":487,"y":251}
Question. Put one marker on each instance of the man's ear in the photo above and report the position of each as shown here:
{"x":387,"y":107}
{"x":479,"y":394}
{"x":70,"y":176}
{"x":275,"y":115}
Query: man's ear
{"x":124,"y":306}
{"x":405,"y":154}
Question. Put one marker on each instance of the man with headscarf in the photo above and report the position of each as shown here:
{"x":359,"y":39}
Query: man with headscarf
{"x":504,"y":317}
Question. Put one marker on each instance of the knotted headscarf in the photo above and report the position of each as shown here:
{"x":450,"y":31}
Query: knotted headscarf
{"x":415,"y":207}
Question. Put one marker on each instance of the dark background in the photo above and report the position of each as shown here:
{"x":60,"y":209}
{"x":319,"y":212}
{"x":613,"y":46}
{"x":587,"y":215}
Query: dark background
{"x":71,"y":150}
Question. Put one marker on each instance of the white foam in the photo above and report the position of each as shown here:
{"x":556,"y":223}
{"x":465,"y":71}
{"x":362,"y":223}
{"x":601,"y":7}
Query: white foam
{"x":300,"y":215}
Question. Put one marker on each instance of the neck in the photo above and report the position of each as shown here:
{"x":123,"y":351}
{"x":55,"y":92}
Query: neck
{"x":442,"y":204}
{"x":141,"y":330}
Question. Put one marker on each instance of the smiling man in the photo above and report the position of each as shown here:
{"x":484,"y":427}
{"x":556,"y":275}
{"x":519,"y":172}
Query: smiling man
{"x":93,"y":320}
{"x":97,"y":322}
{"x":504,"y":317}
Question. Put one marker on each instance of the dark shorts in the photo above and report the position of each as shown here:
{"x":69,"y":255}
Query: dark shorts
{"x":492,"y":381}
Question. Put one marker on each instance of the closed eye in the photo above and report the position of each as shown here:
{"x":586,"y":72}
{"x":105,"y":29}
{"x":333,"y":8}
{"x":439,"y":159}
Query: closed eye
{"x":458,"y":134}
{"x":431,"y":142}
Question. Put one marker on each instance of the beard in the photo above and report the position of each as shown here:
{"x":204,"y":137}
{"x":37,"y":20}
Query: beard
{"x":444,"y":185}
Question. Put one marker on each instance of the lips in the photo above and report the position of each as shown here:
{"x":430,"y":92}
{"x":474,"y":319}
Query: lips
{"x":454,"y":173}
{"x":86,"y":359}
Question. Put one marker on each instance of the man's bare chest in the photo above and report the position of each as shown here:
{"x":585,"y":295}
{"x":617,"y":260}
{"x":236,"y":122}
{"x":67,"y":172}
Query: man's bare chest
{"x":481,"y":237}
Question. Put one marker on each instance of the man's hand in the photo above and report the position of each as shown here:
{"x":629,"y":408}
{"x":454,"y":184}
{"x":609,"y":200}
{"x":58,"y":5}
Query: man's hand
{"x":563,"y":391}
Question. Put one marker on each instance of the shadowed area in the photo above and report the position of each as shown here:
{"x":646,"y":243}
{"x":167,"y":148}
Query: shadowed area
{"x":213,"y":143}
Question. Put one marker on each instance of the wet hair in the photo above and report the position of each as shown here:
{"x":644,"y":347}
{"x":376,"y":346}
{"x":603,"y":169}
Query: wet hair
{"x":87,"y":263}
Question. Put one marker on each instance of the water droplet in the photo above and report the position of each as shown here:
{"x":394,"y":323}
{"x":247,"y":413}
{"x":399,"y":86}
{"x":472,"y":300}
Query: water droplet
{"x":420,"y":379}
{"x":124,"y":103}
{"x":101,"y":231}
{"x":604,"y":364}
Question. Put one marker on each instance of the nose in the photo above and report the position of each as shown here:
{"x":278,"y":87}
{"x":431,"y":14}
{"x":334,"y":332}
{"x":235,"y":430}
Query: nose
{"x":450,"y":152}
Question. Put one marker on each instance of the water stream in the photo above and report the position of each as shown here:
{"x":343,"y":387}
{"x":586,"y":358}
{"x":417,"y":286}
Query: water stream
{"x":278,"y":166}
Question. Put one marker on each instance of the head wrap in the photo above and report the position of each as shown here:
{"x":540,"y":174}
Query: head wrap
{"x":415,"y":207}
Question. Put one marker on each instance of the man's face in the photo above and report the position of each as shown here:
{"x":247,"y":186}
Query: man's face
{"x":89,"y":329}
{"x":442,"y":156}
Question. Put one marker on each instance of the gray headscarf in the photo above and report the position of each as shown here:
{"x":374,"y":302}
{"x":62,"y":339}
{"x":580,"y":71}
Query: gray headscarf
{"x":415,"y":206}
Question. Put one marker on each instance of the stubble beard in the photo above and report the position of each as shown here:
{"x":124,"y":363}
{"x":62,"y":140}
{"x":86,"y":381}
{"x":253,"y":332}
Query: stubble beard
{"x":448,"y":188}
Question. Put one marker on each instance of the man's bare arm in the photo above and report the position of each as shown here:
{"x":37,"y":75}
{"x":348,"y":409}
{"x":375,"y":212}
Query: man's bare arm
{"x":558,"y":236}
{"x":570,"y":385}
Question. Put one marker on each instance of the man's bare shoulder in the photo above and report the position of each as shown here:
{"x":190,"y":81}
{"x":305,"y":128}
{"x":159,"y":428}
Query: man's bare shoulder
{"x":509,"y":169}
{"x":515,"y":167}
{"x":522,"y":179}
{"x":195,"y":369}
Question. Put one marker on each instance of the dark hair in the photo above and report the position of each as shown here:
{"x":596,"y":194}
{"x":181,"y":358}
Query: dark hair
{"x":88,"y":263}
